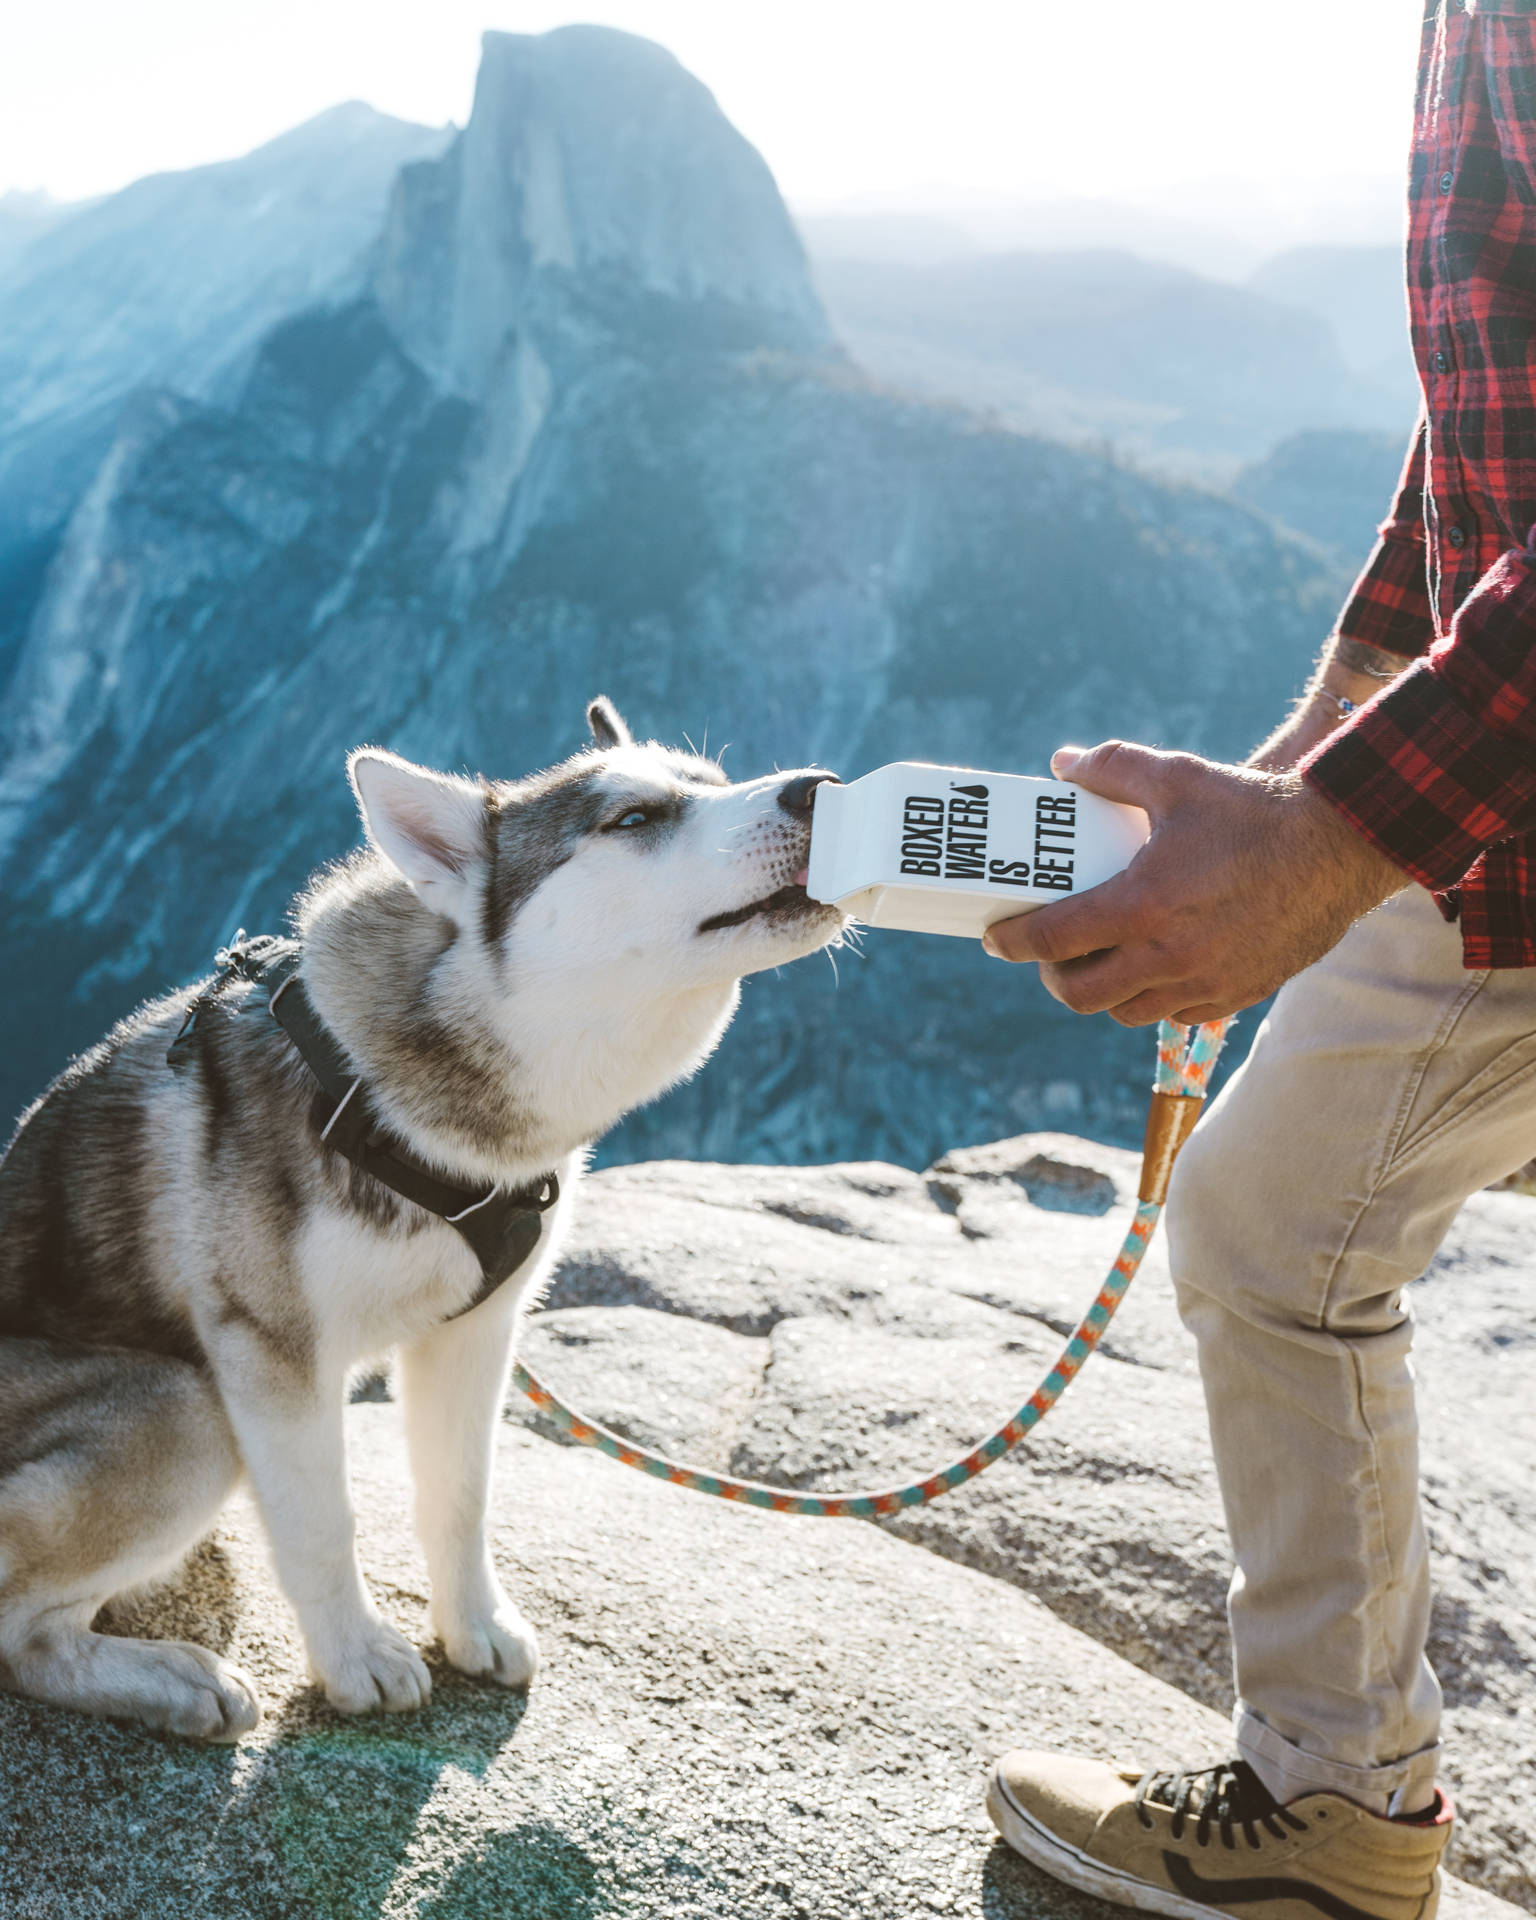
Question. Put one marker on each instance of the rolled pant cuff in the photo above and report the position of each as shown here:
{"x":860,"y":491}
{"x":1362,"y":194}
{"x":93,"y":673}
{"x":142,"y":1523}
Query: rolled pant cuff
{"x":1290,"y":1771}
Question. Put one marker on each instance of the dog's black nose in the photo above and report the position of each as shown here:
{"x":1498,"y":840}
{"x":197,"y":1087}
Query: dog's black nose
{"x":795,"y":795}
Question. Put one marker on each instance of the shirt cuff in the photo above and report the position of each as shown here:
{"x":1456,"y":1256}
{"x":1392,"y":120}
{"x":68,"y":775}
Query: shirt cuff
{"x":1388,"y":606}
{"x":1424,"y":779}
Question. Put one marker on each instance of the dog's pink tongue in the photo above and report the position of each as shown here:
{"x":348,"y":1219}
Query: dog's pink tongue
{"x":802,"y":877}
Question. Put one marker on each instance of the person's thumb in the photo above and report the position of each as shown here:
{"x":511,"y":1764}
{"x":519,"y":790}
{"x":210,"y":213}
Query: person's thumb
{"x":1136,"y":776}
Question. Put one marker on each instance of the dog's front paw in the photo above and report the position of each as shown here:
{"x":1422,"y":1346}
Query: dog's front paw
{"x":186,"y":1690}
{"x":499,"y":1646}
{"x":372,"y":1669}
{"x":218,"y":1702}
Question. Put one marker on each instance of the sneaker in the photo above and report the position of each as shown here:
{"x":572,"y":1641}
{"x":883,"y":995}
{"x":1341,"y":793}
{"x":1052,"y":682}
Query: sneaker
{"x":1215,"y":1844}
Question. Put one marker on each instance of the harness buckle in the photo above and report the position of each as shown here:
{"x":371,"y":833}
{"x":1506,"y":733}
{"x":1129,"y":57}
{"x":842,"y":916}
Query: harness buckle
{"x":540,"y":1202}
{"x":549,"y":1193}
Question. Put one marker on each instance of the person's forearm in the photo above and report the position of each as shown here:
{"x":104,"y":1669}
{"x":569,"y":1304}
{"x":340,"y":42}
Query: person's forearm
{"x":1348,"y":673}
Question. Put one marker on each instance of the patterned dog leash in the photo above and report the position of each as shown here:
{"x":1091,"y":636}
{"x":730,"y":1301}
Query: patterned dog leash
{"x":1184,"y":1063}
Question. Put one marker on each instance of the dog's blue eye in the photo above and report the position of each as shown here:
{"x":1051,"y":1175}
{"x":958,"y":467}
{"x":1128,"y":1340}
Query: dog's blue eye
{"x":636,"y":817}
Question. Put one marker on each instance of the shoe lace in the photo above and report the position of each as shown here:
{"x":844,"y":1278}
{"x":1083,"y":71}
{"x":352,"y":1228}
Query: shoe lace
{"x":1227,"y":1796}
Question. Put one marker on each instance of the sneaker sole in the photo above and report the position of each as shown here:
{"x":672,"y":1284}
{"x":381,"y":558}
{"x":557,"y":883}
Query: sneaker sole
{"x":1053,"y":1855}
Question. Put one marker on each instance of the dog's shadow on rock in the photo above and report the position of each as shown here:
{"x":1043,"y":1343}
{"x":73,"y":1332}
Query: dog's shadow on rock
{"x":340,"y":1800}
{"x":200,"y":1603}
{"x":320,"y":1819}
{"x":318,"y":1816}
{"x":1011,"y":1889}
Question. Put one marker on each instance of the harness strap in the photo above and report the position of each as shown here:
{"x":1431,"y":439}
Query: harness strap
{"x":502,"y":1228}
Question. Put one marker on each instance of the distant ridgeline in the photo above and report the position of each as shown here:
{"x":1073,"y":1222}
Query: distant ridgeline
{"x":563,"y":414}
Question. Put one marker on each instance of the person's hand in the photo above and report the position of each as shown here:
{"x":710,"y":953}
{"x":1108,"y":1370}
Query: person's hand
{"x":1247,"y":878}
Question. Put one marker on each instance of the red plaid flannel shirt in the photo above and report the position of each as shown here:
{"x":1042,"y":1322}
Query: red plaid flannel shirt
{"x":1439,"y":770}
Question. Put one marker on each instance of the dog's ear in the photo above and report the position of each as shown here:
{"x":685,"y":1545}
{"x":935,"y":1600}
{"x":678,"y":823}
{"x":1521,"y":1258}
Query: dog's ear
{"x":430,"y":827}
{"x":607,"y":724}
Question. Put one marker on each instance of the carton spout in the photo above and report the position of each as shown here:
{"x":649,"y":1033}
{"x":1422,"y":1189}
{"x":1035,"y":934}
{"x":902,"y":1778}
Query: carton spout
{"x":829,"y":817}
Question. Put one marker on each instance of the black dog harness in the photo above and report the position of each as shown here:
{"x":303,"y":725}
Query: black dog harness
{"x":502,"y":1228}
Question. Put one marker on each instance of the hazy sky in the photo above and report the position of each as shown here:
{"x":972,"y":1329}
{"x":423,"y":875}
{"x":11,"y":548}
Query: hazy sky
{"x":846,"y":98}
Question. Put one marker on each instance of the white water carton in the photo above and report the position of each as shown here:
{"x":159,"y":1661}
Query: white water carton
{"x":953,"y":849}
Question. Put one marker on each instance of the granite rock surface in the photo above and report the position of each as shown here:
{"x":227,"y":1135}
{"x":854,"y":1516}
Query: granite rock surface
{"x":746,"y":1716}
{"x":895,"y":1318}
{"x":741,"y":1717}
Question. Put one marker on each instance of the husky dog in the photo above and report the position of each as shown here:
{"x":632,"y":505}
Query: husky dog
{"x":189,"y":1273}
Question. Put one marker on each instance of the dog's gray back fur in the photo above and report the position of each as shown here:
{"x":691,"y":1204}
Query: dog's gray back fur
{"x":122,"y":1160}
{"x":116,"y":1141}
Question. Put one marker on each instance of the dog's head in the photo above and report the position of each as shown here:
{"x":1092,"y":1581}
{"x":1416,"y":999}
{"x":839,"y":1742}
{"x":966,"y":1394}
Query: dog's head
{"x":631,"y":858}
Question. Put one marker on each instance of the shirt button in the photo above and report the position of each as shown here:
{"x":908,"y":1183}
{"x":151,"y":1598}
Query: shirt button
{"x":1446,"y":182}
{"x":1441,"y":363}
{"x":1455,"y":538}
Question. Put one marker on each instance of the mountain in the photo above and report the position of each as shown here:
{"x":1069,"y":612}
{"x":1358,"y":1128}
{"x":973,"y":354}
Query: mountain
{"x":583,"y":425}
{"x":1087,"y":344}
{"x":594,"y":171}
{"x":1224,"y":226}
{"x":23,"y":217}
{"x":171,"y":282}
{"x":1336,"y":487}
{"x":912,"y":238}
{"x":1360,"y":292}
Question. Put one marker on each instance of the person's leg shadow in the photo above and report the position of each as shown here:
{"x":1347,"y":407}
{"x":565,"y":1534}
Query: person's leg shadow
{"x":535,"y":1872}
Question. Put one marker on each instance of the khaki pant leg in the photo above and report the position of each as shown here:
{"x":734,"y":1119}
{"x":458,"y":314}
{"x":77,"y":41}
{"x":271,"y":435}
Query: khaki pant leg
{"x":1387,"y":1084}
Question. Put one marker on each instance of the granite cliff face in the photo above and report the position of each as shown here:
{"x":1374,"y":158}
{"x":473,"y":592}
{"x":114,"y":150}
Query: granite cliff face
{"x":169,"y":284}
{"x":591,"y":160}
{"x":581,"y":424}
